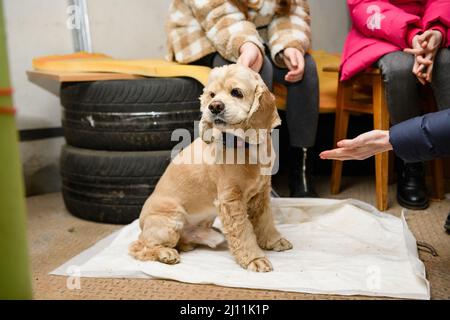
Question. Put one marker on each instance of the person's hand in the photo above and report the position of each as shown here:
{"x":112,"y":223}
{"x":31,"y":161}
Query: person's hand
{"x":362,"y":147}
{"x":418,"y":50}
{"x":250,"y":56}
{"x":295,"y":61}
{"x":425,"y":48}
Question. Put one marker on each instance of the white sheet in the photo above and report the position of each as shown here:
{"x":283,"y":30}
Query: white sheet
{"x":340,"y":247}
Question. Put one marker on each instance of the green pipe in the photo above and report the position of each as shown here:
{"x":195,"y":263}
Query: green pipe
{"x":15,"y":279}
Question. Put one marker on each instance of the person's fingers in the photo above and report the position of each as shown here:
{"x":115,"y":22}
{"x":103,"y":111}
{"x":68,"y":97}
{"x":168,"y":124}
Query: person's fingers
{"x":300,"y":69}
{"x":426,"y":73}
{"x":343,"y":154}
{"x":426,"y":61}
{"x":292,"y":79}
{"x":432,"y":46}
{"x":295,"y":72}
{"x":348,"y":143}
{"x":418,"y":70}
{"x":429,"y":74}
{"x":416,"y":67}
{"x":287,"y":61}
{"x":335,"y":154}
{"x":257,"y":65}
{"x":414,"y":51}
{"x":293,"y":59}
{"x":424,"y":36}
{"x":301,"y":61}
{"x":244,"y":60}
{"x":300,"y":58}
{"x":294,"y":75}
{"x":421,"y":80}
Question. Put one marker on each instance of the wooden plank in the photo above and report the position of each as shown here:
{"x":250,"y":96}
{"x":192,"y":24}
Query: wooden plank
{"x":51,"y":81}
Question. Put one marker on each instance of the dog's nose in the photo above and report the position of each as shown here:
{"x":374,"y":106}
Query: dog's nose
{"x":216,"y":107}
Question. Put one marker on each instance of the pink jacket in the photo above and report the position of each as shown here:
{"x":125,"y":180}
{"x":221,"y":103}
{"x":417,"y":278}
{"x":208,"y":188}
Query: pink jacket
{"x":383,"y":26}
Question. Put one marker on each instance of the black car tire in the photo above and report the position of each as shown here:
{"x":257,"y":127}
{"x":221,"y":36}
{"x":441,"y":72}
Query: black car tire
{"x":109,"y":186}
{"x":129,"y":115}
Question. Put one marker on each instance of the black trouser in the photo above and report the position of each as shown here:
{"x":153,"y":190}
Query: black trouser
{"x":402,"y":94}
{"x":302,"y":105}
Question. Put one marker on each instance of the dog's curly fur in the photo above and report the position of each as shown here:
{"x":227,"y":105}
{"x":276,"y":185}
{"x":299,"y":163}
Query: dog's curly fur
{"x":180,"y":212}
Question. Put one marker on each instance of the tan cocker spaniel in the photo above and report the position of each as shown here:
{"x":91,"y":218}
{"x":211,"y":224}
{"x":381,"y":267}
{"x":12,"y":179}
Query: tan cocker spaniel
{"x":222,"y":173}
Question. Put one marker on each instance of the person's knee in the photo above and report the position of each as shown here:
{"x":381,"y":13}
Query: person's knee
{"x":310,"y":66}
{"x":442,"y":61}
{"x":397,"y":66}
{"x":267,"y":73}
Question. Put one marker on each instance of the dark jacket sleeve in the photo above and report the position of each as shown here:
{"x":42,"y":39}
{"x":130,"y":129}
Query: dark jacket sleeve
{"x":422,"y":138}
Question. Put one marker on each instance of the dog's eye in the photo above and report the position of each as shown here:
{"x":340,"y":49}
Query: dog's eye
{"x":237,"y":93}
{"x":212,"y":94}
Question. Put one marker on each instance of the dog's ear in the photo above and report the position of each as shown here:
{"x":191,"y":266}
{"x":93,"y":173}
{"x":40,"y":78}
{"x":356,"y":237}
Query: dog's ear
{"x":263,"y":113}
{"x":269,"y":100}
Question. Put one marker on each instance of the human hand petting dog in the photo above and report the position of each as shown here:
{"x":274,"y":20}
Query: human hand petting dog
{"x":295,"y":61}
{"x":425,"y":48}
{"x":362,"y":147}
{"x":251,"y":56}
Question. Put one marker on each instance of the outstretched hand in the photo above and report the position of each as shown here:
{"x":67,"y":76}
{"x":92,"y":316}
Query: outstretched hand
{"x":362,"y":147}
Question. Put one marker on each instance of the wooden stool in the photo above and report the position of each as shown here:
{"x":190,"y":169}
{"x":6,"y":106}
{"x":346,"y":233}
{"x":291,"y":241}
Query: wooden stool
{"x":353,"y":97}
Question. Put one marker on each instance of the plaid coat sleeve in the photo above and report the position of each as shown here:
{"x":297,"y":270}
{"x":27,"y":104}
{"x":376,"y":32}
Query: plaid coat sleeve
{"x":225,"y":26}
{"x":293,"y":30}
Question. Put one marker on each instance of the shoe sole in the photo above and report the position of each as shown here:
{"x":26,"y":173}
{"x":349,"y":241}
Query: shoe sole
{"x":415,"y":206}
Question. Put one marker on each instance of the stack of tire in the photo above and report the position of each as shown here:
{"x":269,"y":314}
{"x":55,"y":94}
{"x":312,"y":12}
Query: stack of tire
{"x":118,"y":136}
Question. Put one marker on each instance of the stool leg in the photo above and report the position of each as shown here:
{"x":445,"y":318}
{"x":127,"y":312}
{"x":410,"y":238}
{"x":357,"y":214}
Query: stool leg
{"x":437,"y":167}
{"x":340,"y":132}
{"x":381,"y":122}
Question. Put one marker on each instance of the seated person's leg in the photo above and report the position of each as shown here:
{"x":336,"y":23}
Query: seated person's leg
{"x":302,"y":113}
{"x":441,"y":79}
{"x":402,"y":97}
{"x":441,"y":89}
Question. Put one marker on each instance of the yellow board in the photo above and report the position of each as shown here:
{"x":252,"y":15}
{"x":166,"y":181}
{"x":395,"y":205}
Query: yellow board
{"x":95,"y":62}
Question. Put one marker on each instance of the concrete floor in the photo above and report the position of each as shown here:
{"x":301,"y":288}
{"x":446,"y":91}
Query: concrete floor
{"x":55,"y":236}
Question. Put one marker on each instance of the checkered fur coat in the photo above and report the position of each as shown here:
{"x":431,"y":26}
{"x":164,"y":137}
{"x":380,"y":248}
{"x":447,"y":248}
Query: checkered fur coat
{"x":196,"y":28}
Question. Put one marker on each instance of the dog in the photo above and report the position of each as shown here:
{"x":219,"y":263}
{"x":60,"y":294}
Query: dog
{"x":180,"y":212}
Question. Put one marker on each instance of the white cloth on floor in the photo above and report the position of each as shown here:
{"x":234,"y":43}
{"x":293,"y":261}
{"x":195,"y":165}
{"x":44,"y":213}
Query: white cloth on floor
{"x":343,"y":247}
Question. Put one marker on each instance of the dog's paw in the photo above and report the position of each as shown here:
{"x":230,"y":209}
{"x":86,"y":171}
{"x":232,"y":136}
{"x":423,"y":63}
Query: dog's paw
{"x":260,"y":265}
{"x":140,"y":251}
{"x":168,"y":255}
{"x":281,"y":245}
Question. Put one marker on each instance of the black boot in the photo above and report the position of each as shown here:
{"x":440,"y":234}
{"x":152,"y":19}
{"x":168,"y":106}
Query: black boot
{"x":447,"y":224}
{"x":411,"y":188}
{"x":301,"y":183}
